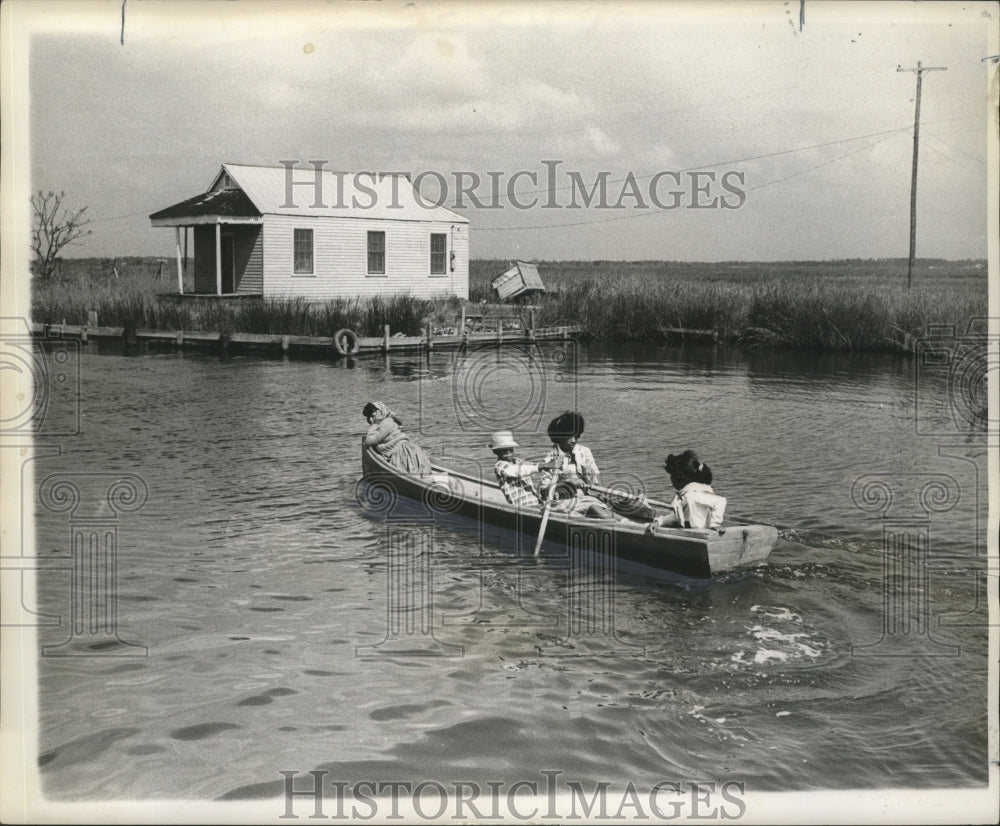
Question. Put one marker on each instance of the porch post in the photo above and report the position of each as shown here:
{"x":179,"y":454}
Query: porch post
{"x":180,"y":267}
{"x":218,"y":259}
{"x":184,"y":269}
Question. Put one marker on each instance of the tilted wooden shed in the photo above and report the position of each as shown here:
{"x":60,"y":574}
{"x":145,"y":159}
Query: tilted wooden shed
{"x":518,"y":279}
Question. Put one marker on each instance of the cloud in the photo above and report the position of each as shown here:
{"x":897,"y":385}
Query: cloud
{"x":627,"y":88}
{"x":438,"y":66}
{"x":439,"y":84}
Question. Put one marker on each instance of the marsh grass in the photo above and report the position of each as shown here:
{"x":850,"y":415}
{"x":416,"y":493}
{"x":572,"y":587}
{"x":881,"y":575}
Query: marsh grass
{"x":136,"y":297}
{"x":842,"y":306}
{"x":849,"y":318}
{"x":837,"y":306}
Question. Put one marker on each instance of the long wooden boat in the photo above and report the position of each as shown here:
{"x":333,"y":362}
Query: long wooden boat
{"x":453,"y":497}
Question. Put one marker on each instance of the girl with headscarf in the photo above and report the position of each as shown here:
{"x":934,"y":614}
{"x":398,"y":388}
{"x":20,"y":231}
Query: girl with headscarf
{"x":386,"y":437}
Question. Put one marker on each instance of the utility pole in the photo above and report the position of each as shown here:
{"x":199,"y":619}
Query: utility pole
{"x":913,"y":183}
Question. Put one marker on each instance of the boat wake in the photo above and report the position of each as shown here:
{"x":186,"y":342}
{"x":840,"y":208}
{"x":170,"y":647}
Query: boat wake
{"x":778,"y":637}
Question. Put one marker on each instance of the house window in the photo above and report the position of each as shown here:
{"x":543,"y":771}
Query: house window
{"x":439,"y":253}
{"x":303,"y":252}
{"x":376,"y":253}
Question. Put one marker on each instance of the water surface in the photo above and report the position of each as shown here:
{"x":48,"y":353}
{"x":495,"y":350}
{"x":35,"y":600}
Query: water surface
{"x":258,"y":583}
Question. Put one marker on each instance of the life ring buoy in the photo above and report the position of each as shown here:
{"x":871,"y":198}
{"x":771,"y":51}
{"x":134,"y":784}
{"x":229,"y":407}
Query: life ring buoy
{"x":346,"y":342}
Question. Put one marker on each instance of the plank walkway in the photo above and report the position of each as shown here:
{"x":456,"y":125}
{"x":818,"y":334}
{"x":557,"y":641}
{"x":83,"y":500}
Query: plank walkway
{"x":316,"y":344}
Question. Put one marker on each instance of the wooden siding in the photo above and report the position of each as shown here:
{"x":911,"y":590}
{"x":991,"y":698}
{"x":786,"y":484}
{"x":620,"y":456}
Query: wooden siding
{"x":340,"y":250}
{"x":249,"y":251}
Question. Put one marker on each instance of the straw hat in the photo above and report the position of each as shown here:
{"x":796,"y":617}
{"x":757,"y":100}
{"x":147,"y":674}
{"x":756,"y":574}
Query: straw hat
{"x":502,"y":439}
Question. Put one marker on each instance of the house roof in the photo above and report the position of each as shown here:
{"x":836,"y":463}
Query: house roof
{"x":264,"y":190}
{"x":224,"y":203}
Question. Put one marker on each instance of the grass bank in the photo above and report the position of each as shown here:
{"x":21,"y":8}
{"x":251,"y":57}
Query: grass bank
{"x":829,"y":306}
{"x":128,"y":292}
{"x":842,"y":306}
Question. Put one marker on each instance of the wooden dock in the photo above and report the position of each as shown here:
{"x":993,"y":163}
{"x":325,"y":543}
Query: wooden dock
{"x":318,"y":345}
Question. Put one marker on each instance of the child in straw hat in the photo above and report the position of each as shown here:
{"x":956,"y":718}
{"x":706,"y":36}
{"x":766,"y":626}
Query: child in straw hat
{"x":514,"y":475}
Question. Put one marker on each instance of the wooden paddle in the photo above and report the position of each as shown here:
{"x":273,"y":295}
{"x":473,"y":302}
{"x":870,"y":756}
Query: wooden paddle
{"x":548,"y":505}
{"x":623,"y":494}
{"x":617,"y":499}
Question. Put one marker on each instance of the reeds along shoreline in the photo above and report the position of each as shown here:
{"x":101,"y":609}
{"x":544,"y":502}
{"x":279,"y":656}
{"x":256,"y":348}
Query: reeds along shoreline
{"x":849,"y":313}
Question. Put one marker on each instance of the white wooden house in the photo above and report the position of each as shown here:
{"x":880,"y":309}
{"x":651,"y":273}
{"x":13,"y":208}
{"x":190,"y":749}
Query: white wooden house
{"x":317,"y":234}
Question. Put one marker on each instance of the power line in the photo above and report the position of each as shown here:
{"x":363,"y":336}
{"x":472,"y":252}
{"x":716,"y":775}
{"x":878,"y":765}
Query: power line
{"x":980,"y":161}
{"x":958,"y":163}
{"x":144,"y":214}
{"x":717,"y":163}
{"x":884,"y":134}
{"x":884,"y":137}
{"x":824,"y":163}
{"x":499,"y":199}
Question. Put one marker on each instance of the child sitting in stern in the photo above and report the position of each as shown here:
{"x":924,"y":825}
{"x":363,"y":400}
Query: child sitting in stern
{"x":695,"y":505}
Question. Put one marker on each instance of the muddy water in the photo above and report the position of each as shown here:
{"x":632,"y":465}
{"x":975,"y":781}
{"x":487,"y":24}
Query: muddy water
{"x":253,"y":586}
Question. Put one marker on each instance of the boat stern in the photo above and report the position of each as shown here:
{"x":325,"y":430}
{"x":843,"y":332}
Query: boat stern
{"x":742,"y":546}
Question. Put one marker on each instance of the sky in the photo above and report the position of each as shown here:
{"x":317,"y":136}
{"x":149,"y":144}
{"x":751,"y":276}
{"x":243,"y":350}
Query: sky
{"x":722,"y":131}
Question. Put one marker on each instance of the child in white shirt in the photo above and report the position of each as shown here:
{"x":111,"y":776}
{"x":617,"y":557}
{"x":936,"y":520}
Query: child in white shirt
{"x":695,"y":505}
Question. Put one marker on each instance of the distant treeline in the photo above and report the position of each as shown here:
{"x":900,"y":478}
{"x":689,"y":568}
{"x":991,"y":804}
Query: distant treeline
{"x":848,"y":305}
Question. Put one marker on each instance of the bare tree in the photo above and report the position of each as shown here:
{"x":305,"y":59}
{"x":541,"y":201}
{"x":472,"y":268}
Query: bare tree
{"x":53,"y":228}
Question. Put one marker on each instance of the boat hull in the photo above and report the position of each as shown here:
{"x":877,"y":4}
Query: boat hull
{"x":447,"y":494}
